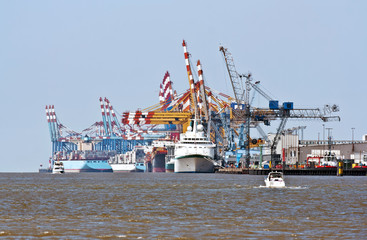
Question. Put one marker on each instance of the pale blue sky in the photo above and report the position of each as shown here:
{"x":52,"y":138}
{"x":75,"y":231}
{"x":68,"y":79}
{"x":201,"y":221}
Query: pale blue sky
{"x":70,"y":53}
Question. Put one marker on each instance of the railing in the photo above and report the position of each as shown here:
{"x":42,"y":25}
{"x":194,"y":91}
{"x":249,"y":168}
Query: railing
{"x":326,"y":142}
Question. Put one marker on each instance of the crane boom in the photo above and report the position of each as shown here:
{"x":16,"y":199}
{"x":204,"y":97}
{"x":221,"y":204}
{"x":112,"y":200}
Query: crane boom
{"x":262,"y":93}
{"x":204,"y":104}
{"x":103,"y":110}
{"x":239,"y":92}
{"x":193,"y":97}
{"x":115,"y":119}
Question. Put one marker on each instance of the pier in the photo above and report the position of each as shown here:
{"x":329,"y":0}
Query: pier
{"x":310,"y":171}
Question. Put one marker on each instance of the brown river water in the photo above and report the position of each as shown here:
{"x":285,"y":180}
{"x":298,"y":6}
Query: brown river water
{"x":180,"y":206}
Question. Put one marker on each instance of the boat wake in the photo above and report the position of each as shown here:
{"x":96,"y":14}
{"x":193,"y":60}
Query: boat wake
{"x":297,"y":187}
{"x":291,"y":187}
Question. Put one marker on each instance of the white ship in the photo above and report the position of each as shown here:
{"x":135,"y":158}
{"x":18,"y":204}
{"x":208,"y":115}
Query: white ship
{"x":194,"y":153}
{"x":58,"y":167}
{"x":131,"y":161}
{"x":122,"y":163}
{"x":123,"y":167}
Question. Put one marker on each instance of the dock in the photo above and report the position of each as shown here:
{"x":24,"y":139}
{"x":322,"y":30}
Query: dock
{"x":310,"y":171}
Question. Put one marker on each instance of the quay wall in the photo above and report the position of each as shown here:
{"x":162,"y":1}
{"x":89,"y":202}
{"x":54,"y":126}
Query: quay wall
{"x":313,"y":171}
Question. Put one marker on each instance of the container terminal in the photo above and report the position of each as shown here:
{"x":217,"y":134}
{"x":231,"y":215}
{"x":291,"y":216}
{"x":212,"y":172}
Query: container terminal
{"x":205,"y":130}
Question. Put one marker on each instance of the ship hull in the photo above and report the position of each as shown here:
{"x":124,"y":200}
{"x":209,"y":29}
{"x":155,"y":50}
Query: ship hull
{"x":140,"y":167}
{"x":123,"y":167}
{"x":193,"y":164}
{"x":170,"y":166}
{"x":78,"y":166}
{"x":58,"y":168}
{"x":274,"y":184}
{"x":159,"y":163}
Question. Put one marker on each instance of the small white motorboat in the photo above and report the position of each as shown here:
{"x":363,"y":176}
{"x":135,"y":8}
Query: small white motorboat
{"x":275,"y":180}
{"x":58,"y":167}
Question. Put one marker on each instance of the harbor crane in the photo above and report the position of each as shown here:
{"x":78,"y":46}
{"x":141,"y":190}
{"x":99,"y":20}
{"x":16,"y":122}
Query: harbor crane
{"x":193,"y":97}
{"x":241,"y":110}
{"x":253,"y":116}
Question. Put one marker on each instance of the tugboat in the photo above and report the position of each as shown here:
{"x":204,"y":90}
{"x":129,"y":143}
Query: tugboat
{"x":275,"y":180}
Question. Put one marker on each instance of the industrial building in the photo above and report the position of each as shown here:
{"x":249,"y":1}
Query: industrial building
{"x":294,"y":151}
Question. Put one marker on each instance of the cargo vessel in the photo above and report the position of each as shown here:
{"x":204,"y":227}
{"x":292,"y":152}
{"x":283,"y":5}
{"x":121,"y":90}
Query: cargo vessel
{"x":194,"y":153}
{"x":85,"y":158}
{"x":159,"y":154}
{"x":85,"y":161}
{"x":123,"y":167}
{"x":122,"y":163}
{"x":131,"y":161}
{"x":159,"y":160}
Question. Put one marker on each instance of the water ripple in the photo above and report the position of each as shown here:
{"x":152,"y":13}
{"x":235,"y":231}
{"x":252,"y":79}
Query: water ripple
{"x":180,"y":206}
